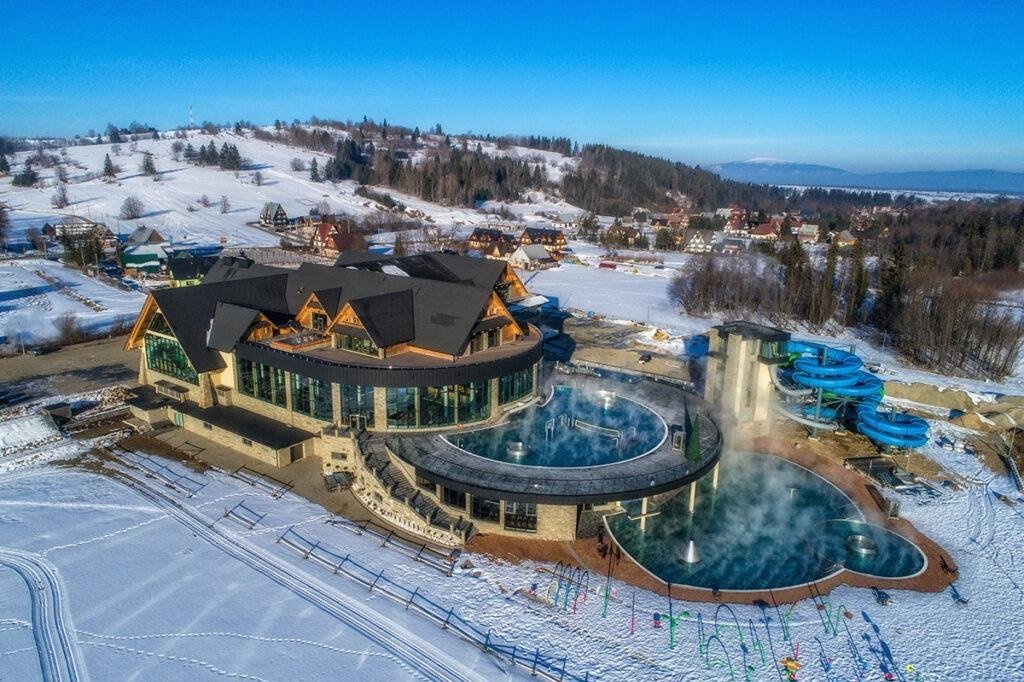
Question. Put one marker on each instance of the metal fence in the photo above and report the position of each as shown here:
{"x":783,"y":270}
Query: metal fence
{"x":533,"y":660}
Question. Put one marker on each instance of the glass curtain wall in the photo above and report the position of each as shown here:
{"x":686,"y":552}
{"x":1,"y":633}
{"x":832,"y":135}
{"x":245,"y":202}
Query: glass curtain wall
{"x":357,"y":401}
{"x":515,"y":385}
{"x":312,"y":397}
{"x":164,"y":355}
{"x":438,"y":406}
{"x":261,"y":381}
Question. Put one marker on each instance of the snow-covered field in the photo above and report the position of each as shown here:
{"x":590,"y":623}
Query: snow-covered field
{"x":34,"y":293}
{"x":132,"y":580}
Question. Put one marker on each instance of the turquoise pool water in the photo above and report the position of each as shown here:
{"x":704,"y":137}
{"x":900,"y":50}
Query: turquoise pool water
{"x":770,"y":524}
{"x":573,"y":429}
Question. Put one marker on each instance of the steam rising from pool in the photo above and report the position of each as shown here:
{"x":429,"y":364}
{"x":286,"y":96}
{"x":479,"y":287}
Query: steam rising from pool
{"x":769,"y":524}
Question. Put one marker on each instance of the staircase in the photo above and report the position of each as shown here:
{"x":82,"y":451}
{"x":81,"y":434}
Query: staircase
{"x":403,"y":503}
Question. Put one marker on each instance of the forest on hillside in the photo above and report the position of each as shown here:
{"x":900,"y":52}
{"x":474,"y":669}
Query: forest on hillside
{"x":934,"y":294}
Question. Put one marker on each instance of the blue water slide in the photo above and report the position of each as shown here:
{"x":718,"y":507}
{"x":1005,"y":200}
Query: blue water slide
{"x":823,"y":368}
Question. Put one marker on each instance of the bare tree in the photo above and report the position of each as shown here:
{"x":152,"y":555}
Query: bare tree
{"x":298,"y":164}
{"x":115,"y":149}
{"x":323,"y":207}
{"x":59,"y":198}
{"x":36,"y":239}
{"x":132,"y":208}
{"x":225,"y":205}
{"x":204,"y":201}
{"x":60,"y":173}
{"x":257,"y":178}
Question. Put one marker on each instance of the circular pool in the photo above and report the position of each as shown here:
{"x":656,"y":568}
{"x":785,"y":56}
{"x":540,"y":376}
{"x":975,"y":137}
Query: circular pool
{"x":572,"y":429}
{"x":770,"y":524}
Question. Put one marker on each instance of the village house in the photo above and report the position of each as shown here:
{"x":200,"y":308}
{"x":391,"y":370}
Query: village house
{"x":188,"y":269}
{"x":330,"y":239}
{"x":697,"y":241}
{"x":273,"y":215}
{"x":808,"y":233}
{"x":484,"y":237}
{"x":145,"y":235}
{"x":532,"y":257}
{"x":621,"y":234}
{"x":764,"y":232}
{"x":552,"y":240}
{"x":843,"y":238}
{"x":76,"y":227}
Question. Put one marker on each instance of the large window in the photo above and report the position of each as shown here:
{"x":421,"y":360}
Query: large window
{"x":261,"y":381}
{"x":312,"y":397}
{"x":164,"y":355}
{"x":357,"y":401}
{"x":318,"y":321}
{"x":520,"y":516}
{"x":485,"y":510}
{"x":355,"y":344}
{"x":455,"y":498}
{"x":437,"y":406}
{"x":401,"y":408}
{"x":516,"y":385}
{"x":474,"y":401}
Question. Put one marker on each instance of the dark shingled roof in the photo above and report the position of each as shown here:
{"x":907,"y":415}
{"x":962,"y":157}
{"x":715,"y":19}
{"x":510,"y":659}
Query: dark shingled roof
{"x":189,"y":311}
{"x":230,"y":322}
{"x":388,"y":318}
{"x":190,"y":266}
{"x":430,"y":300}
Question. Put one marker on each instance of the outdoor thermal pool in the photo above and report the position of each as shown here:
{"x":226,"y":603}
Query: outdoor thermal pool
{"x":770,"y":524}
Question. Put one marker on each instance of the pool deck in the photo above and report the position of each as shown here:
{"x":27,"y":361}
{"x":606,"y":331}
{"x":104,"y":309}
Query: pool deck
{"x":795,"y":449}
{"x":660,"y":470}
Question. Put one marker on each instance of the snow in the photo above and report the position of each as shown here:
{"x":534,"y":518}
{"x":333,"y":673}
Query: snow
{"x":181,"y":185}
{"x":194,"y":601}
{"x":637,"y":293}
{"x":18,"y":434}
{"x":30,"y":304}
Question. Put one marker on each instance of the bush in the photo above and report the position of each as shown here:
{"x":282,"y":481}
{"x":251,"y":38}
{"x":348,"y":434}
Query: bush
{"x":69,"y":329}
{"x":298,"y":164}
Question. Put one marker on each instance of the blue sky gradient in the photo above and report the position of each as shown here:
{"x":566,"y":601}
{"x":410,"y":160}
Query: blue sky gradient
{"x":865,"y":86}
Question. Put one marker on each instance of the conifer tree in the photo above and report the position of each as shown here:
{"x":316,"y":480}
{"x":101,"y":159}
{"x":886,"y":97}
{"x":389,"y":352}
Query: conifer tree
{"x":5,"y":166}
{"x":108,"y":167}
{"x":314,"y":172}
{"x":148,"y":167}
{"x":857,"y":285}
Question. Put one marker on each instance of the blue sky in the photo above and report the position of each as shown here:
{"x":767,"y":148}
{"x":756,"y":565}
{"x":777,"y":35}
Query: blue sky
{"x":866,"y":86}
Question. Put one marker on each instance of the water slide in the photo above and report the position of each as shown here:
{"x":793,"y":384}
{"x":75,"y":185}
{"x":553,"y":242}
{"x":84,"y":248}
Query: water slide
{"x":821,"y":371}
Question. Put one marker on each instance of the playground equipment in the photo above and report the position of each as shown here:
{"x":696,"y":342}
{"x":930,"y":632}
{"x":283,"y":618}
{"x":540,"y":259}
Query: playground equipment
{"x":827,"y":384}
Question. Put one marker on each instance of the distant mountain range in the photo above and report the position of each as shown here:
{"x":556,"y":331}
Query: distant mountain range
{"x":776,"y":172}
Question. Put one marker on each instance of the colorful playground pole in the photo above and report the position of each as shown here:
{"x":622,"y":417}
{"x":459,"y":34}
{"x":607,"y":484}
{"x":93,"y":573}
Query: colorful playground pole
{"x":671,"y":621}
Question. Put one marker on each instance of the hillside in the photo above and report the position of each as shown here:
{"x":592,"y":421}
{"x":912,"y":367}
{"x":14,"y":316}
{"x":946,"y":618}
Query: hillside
{"x":172,"y":202}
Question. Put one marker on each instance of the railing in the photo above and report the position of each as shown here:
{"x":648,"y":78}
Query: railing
{"x":528,"y":658}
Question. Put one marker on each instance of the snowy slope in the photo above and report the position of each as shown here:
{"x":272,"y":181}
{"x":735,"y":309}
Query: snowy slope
{"x":191,"y":600}
{"x":181,"y":185}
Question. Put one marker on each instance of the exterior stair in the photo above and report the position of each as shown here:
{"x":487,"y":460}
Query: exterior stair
{"x":423,"y":514}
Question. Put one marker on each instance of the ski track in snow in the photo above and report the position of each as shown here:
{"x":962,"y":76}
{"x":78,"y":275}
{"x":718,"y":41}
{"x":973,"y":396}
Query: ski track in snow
{"x":59,"y":655}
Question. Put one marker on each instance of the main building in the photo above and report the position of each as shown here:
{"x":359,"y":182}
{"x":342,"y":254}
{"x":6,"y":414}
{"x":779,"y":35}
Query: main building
{"x":339,"y":361}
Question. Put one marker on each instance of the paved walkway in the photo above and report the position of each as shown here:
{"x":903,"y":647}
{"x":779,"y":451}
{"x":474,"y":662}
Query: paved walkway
{"x":74,"y":369}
